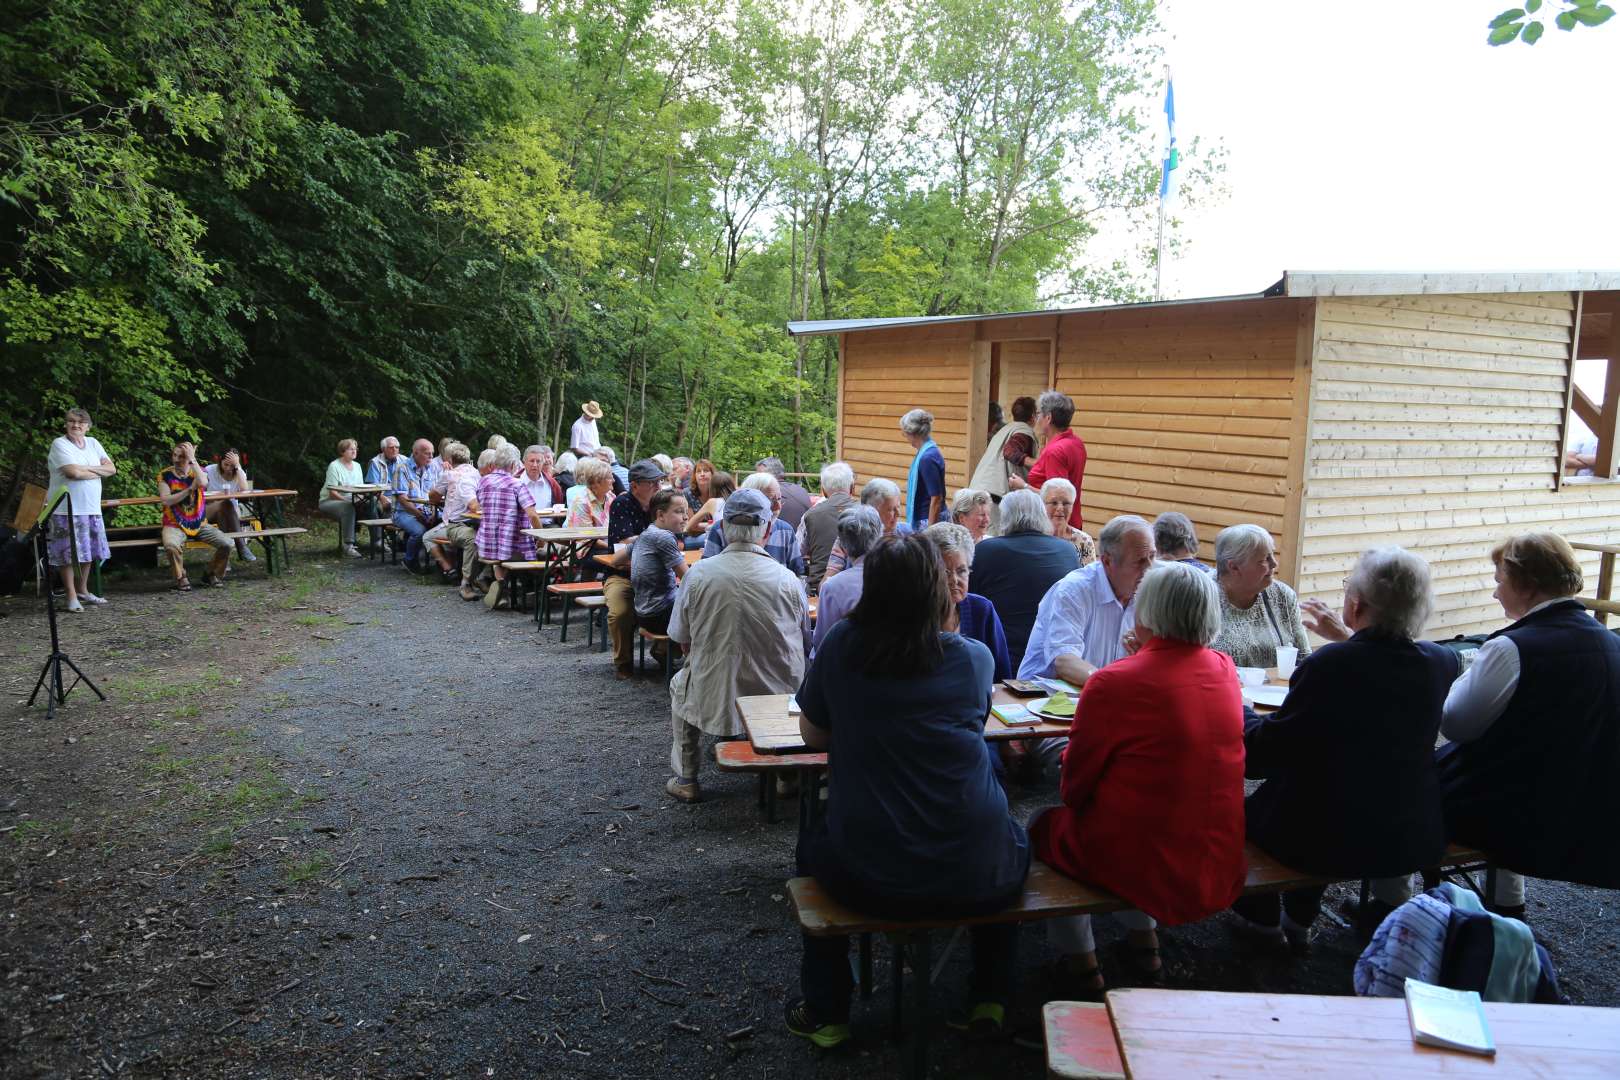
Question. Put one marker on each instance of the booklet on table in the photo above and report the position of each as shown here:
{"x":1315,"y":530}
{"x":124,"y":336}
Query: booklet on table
{"x":1450,"y":1019}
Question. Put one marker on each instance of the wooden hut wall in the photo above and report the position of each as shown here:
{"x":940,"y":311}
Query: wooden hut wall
{"x":1436,"y":424}
{"x":1188,"y":408}
{"x":889,"y":372}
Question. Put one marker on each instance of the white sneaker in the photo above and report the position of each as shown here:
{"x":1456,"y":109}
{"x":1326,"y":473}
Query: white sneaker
{"x":352,"y":552}
{"x":92,"y":598}
{"x":75,"y":606}
{"x":246,"y":555}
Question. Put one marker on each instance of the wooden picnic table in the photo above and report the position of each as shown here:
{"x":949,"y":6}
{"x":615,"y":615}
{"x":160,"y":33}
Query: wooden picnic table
{"x":1175,"y":1033}
{"x":255,"y":493}
{"x":556,"y":535}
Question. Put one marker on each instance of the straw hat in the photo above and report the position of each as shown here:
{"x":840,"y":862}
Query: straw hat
{"x":593,"y":410}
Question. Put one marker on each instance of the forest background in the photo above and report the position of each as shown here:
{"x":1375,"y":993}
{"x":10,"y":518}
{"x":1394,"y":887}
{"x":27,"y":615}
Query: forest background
{"x":271,"y":224}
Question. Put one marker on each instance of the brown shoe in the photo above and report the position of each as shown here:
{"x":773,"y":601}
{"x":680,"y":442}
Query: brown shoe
{"x":687,"y":793}
{"x":470,"y":593}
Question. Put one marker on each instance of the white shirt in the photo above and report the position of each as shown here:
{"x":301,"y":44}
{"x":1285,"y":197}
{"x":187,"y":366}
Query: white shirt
{"x":217,"y":484}
{"x":1079,"y":616}
{"x":85,"y":495}
{"x":540,"y":489}
{"x":1481,"y":694}
{"x":583,"y":435}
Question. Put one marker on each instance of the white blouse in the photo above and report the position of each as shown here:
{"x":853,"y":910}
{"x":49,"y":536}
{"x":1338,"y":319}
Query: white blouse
{"x":85,"y":495}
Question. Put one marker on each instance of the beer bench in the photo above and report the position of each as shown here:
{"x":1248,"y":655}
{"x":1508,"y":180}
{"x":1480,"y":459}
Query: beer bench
{"x":738,"y":755}
{"x":1047,"y":895}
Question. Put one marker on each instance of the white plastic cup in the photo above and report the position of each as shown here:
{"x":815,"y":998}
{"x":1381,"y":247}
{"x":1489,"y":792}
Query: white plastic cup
{"x":1252,"y":676}
{"x":1287,"y":657}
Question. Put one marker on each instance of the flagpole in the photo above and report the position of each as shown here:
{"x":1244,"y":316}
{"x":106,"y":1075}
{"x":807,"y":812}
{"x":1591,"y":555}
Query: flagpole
{"x":1158,"y":264}
{"x":1171,"y":162}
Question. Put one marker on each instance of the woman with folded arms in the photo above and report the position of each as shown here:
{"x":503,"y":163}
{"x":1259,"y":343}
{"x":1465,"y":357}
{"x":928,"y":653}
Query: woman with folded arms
{"x":916,"y":825}
{"x":1351,"y":790}
{"x":1530,"y":773}
{"x":1152,"y":782}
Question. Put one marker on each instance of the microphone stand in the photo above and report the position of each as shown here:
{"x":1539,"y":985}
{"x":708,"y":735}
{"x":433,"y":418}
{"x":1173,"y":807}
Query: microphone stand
{"x":50,"y":676}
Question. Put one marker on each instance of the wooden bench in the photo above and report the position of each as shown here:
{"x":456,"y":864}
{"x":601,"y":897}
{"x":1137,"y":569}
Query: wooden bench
{"x":643,"y":636}
{"x":1080,"y":1041}
{"x":1047,"y":895}
{"x":567,"y":592}
{"x":592,"y":605}
{"x":739,"y":755}
{"x":380,"y":530}
{"x":269,"y":538}
{"x":520,"y":575}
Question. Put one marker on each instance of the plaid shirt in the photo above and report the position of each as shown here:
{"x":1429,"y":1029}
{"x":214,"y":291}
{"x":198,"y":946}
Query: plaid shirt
{"x":502,"y":498}
{"x":781,"y":544}
{"x":404,"y":478}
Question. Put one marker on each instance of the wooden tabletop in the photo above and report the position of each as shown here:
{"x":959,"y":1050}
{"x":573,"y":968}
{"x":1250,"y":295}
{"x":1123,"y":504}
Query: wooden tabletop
{"x":562,"y":535}
{"x":360,"y":489}
{"x":153,"y":500}
{"x":996,"y":731}
{"x":1176,"y":1033}
{"x":772,"y":730}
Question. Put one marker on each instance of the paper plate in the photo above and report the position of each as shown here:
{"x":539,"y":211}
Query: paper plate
{"x":1038,"y":706}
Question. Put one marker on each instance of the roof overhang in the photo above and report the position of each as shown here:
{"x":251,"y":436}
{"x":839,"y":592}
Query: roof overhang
{"x":1294,"y":283}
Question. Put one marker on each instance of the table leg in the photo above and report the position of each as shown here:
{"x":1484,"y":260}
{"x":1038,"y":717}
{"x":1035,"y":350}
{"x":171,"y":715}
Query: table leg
{"x":1605,"y":583}
{"x":916,"y":1053}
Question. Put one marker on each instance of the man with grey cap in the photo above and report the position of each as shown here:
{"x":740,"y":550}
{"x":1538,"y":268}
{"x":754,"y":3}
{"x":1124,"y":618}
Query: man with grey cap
{"x":628,"y":518}
{"x":743,"y":620}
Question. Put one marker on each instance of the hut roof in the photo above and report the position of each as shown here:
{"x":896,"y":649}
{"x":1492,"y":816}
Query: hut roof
{"x":1292,"y":283}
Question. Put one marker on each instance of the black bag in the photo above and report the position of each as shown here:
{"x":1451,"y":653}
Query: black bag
{"x":15,"y":556}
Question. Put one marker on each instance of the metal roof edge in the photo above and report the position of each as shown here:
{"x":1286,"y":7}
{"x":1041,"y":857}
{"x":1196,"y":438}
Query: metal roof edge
{"x":813,"y":327}
{"x":1377,"y":283}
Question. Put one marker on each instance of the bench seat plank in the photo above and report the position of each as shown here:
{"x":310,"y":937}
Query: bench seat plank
{"x":1047,"y":894}
{"x":738,"y":756}
{"x":1080,"y":1042}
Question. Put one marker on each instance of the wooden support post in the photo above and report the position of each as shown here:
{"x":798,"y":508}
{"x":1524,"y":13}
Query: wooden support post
{"x":1573,"y":398}
{"x":1608,"y":430}
{"x":1307,"y":334}
{"x":978,"y":412}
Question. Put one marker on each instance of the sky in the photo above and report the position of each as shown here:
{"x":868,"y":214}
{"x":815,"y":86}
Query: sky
{"x":1391,"y":137}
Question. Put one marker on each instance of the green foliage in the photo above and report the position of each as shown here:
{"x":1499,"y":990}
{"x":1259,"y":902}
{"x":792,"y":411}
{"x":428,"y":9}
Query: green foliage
{"x":1516,"y":24}
{"x":276,"y":223}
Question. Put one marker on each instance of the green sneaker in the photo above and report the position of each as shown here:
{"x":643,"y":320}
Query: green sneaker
{"x":981,"y":1020}
{"x":803,"y":1023}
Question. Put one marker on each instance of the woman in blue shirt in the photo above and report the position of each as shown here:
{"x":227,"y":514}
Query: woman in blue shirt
{"x":976,"y":616}
{"x":916,"y":824}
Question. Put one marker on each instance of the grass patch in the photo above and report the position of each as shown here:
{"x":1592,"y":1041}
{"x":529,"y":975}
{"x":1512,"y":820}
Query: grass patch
{"x":219,"y":842}
{"x":307,"y":869}
{"x":165,"y":762}
{"x":282,"y":659}
{"x":259,"y":791}
{"x":29,"y":832}
{"x":316,"y":620}
{"x":153,"y":686}
{"x":188,"y":712}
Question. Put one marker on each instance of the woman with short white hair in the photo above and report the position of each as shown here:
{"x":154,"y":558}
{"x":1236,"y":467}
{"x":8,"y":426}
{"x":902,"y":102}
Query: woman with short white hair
{"x":925,"y":483}
{"x":970,"y":508}
{"x":1351,"y":786}
{"x":1152,"y":783}
{"x":588,"y":504}
{"x":1058,"y":496}
{"x":972,"y":615}
{"x":1259,"y":614}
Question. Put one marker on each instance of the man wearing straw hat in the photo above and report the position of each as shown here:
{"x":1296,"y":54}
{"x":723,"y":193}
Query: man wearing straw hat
{"x":583,"y":438}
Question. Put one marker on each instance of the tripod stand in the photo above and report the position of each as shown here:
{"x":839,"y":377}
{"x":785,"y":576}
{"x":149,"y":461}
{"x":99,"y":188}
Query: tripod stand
{"x":50,"y":676}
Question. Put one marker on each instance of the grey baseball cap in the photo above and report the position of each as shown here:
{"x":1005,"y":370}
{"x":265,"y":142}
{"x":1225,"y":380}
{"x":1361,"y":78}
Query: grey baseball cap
{"x":645,"y":470}
{"x":747,"y":506}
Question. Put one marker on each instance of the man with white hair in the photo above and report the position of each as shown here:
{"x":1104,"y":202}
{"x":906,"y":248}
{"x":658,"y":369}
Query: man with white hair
{"x":1081,"y":620}
{"x":795,"y":499}
{"x":621,"y":475}
{"x":781,"y":542}
{"x":409,"y":484}
{"x":743,"y":622}
{"x":380,"y":470}
{"x":818,"y":529}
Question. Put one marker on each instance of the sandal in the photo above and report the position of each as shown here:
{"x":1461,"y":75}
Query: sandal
{"x":182,"y":584}
{"x":215,"y":582}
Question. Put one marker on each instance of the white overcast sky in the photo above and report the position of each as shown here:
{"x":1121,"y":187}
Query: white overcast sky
{"x":1391,"y":137}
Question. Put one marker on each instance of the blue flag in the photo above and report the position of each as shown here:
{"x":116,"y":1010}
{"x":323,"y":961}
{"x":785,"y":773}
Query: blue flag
{"x":1168,"y":181}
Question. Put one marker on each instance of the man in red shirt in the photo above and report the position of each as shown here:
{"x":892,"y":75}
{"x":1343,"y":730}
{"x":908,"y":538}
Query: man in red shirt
{"x":1064,"y":454}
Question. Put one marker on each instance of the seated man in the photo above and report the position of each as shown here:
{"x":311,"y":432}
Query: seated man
{"x":539,"y":477}
{"x":1081,"y":622}
{"x":818,"y":529}
{"x":658,"y":561}
{"x":380,"y":470}
{"x":225,"y":479}
{"x":628,"y":518}
{"x":744,"y":623}
{"x":410,"y":481}
{"x":781,"y":542}
{"x":458,"y":488}
{"x":181,"y":493}
{"x":795,"y":499}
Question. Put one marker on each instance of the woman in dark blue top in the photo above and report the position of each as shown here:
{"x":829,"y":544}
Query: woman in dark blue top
{"x":976,"y":617}
{"x":916,"y":824}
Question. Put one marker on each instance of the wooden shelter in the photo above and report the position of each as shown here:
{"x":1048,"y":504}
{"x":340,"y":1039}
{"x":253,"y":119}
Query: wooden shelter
{"x":1339,"y":411}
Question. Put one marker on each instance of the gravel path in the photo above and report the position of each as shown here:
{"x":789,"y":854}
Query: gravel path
{"x":487,"y":879}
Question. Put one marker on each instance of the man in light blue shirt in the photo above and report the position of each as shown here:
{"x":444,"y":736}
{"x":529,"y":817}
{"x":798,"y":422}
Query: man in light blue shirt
{"x":1082,"y":620}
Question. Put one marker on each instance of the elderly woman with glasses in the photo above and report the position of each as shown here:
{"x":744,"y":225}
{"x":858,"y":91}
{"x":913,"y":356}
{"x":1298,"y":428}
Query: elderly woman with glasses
{"x":1259,"y":614}
{"x":1351,"y":789}
{"x":973,"y":616}
{"x":1152,"y":783}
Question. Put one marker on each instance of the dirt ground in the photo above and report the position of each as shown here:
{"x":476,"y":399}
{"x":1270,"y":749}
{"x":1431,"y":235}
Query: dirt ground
{"x":342,"y":823}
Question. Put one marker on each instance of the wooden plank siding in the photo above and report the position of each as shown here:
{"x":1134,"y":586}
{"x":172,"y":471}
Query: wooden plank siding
{"x":887,"y":373}
{"x":1189,"y":408}
{"x":1436,"y":424}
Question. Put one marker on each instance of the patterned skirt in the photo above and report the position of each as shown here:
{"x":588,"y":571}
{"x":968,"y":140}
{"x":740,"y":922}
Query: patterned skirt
{"x":88,"y":533}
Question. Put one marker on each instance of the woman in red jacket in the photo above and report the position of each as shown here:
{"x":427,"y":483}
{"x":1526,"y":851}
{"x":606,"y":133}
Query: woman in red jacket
{"x":1153,"y":777}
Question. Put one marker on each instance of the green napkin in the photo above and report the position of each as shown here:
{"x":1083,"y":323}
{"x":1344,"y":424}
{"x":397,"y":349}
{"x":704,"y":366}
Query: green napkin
{"x":1059,"y":704}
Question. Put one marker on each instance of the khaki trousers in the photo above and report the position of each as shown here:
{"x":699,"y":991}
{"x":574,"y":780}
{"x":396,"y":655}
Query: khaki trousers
{"x":621,"y":618}
{"x":174,"y":545}
{"x":464,"y":538}
{"x":686,"y":749}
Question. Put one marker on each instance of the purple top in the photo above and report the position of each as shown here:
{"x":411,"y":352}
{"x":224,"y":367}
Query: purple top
{"x":502,"y":499}
{"x":837,"y":598}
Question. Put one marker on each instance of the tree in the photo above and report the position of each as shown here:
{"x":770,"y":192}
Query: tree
{"x":1520,"y":23}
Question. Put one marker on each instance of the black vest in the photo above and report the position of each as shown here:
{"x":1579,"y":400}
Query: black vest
{"x":1540,"y":790}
